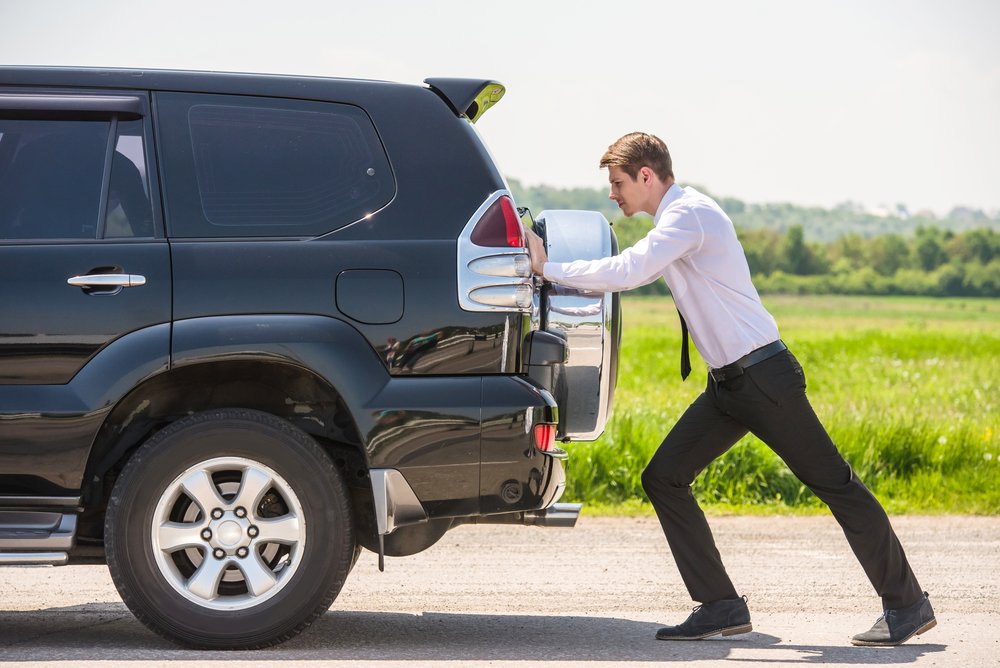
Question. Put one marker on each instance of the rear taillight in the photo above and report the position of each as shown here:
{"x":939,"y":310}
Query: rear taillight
{"x":494,"y":271}
{"x":545,"y":436}
{"x":499,"y":226}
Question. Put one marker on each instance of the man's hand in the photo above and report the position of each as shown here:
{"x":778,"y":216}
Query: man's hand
{"x":536,"y":249}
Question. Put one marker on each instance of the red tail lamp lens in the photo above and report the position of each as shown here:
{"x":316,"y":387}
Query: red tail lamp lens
{"x":545,"y":436}
{"x":499,"y":226}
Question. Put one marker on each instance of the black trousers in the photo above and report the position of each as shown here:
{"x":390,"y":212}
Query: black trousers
{"x":769,"y":400}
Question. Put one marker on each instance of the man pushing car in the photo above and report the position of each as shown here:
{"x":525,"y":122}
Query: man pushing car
{"x":755,"y":384}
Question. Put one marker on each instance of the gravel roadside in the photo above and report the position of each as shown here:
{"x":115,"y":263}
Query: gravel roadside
{"x":594,"y":595}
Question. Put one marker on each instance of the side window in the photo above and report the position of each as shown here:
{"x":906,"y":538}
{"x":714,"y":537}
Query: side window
{"x":242,"y":166}
{"x":51,"y":174}
{"x":129,"y":212}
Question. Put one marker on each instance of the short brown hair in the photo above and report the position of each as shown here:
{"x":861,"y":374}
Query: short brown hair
{"x":637,"y":150}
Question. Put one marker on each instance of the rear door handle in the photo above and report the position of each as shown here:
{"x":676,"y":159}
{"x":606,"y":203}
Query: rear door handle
{"x":108,"y":281}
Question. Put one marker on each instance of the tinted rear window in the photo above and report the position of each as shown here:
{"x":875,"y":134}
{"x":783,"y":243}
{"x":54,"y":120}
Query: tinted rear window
{"x":242,"y":166}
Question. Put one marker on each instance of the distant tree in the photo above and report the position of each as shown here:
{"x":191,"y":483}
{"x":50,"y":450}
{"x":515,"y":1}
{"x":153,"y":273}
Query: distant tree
{"x":983,"y":279}
{"x":981,"y":245}
{"x":761,"y":249}
{"x":968,"y":214}
{"x":888,"y":254}
{"x":732,"y":206}
{"x":950,"y":279}
{"x":819,"y":263}
{"x":848,"y":250}
{"x":796,"y":255}
{"x":984,"y":243}
{"x":930,"y":249}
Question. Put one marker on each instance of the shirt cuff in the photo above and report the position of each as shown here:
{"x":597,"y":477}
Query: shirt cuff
{"x":550,"y":271}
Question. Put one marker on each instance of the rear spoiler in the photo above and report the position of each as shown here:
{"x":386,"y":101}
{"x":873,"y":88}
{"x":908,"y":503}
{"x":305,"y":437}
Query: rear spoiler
{"x":468,"y":97}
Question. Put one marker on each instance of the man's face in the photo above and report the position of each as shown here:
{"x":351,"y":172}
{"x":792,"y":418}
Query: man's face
{"x":627,"y":192}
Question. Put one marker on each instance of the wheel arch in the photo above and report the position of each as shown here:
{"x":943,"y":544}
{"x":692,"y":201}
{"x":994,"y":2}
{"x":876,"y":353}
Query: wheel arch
{"x":279,"y":388}
{"x":312,"y":371}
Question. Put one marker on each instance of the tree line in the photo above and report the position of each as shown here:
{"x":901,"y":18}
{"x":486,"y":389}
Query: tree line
{"x":804,"y":250}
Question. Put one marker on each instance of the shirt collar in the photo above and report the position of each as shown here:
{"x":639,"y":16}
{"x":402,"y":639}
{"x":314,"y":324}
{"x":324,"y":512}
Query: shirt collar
{"x":673,"y":193}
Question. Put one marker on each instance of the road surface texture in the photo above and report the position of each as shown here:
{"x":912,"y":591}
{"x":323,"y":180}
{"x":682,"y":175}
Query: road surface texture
{"x":591,"y":596}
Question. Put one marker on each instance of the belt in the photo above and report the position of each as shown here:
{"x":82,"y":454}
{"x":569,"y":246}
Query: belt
{"x":753,"y":357}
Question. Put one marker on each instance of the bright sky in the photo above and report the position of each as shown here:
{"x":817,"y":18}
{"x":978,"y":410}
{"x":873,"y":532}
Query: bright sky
{"x":811,"y":102}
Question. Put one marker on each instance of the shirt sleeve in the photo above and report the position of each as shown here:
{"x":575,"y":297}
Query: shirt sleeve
{"x":675,"y":235}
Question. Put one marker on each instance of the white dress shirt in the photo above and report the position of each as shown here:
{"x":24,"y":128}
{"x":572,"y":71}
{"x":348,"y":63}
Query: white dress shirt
{"x":693,"y":246}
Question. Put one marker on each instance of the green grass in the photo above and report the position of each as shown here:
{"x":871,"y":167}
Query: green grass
{"x":907,"y":387}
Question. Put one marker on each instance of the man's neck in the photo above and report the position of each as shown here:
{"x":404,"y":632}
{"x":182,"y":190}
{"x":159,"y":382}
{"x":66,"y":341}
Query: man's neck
{"x":657,"y":195}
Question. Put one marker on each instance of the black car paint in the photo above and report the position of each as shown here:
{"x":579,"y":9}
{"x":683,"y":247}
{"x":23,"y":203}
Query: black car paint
{"x":436,"y":393}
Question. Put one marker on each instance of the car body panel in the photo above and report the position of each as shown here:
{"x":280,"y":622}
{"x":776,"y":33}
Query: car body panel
{"x":386,"y":369}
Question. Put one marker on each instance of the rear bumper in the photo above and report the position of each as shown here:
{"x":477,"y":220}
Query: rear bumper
{"x":396,"y":505}
{"x":461,"y":448}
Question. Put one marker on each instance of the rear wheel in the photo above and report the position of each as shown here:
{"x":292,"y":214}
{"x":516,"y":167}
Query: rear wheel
{"x":229,"y":529}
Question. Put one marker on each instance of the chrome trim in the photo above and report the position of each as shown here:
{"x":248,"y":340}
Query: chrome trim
{"x":395,"y":503}
{"x":33,"y":558}
{"x":61,"y":501}
{"x":555,"y":453}
{"x":502,"y":295}
{"x":468,"y":253}
{"x":120,"y":103}
{"x":107,"y":281}
{"x":518,"y":264}
{"x":505,"y":342}
{"x":562,"y":515}
{"x":584,"y":319}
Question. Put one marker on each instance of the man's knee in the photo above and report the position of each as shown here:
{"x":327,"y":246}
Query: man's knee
{"x":843,"y":490}
{"x":658,"y":478}
{"x":829,"y":478}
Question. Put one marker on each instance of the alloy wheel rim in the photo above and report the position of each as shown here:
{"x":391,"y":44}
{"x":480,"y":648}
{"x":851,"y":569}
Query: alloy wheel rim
{"x":228,"y":533}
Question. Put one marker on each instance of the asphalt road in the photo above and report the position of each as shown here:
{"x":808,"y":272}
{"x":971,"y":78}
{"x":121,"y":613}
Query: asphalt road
{"x":593,"y":595}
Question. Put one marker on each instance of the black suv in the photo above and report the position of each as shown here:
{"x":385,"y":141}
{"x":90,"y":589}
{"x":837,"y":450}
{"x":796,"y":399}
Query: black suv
{"x":250,"y":324}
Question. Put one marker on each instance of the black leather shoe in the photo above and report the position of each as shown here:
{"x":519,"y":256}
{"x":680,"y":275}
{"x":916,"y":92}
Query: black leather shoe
{"x":728,"y":617}
{"x":897,"y":626}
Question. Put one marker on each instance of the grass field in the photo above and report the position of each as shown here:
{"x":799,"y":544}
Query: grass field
{"x":907,"y":387}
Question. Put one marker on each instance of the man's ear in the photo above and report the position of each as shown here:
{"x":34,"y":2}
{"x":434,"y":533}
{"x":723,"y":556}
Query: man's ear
{"x":646,"y":173}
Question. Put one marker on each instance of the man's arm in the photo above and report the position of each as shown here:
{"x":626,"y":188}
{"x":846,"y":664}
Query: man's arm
{"x":677,"y":234}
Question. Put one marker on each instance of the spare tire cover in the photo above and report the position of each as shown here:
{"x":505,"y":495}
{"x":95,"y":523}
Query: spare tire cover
{"x":589,"y":321}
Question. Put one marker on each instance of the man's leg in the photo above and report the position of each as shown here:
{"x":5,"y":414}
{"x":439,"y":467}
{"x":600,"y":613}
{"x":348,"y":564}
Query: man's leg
{"x":771,"y":401}
{"x":702,"y":434}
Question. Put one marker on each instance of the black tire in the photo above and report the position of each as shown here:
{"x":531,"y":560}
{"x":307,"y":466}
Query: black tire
{"x":258,"y":591}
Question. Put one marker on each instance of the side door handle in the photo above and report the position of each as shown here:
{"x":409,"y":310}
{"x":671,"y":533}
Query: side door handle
{"x":107,"y":281}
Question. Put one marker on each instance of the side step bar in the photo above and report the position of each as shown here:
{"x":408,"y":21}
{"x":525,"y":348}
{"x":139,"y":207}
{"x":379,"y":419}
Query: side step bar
{"x":33,"y":558}
{"x":36,"y":537}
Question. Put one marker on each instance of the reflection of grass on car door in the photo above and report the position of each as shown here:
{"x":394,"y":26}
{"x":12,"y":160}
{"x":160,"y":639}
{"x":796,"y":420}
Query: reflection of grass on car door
{"x":907,"y":387}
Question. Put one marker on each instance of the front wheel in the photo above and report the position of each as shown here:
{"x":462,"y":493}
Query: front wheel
{"x":229,"y":529}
